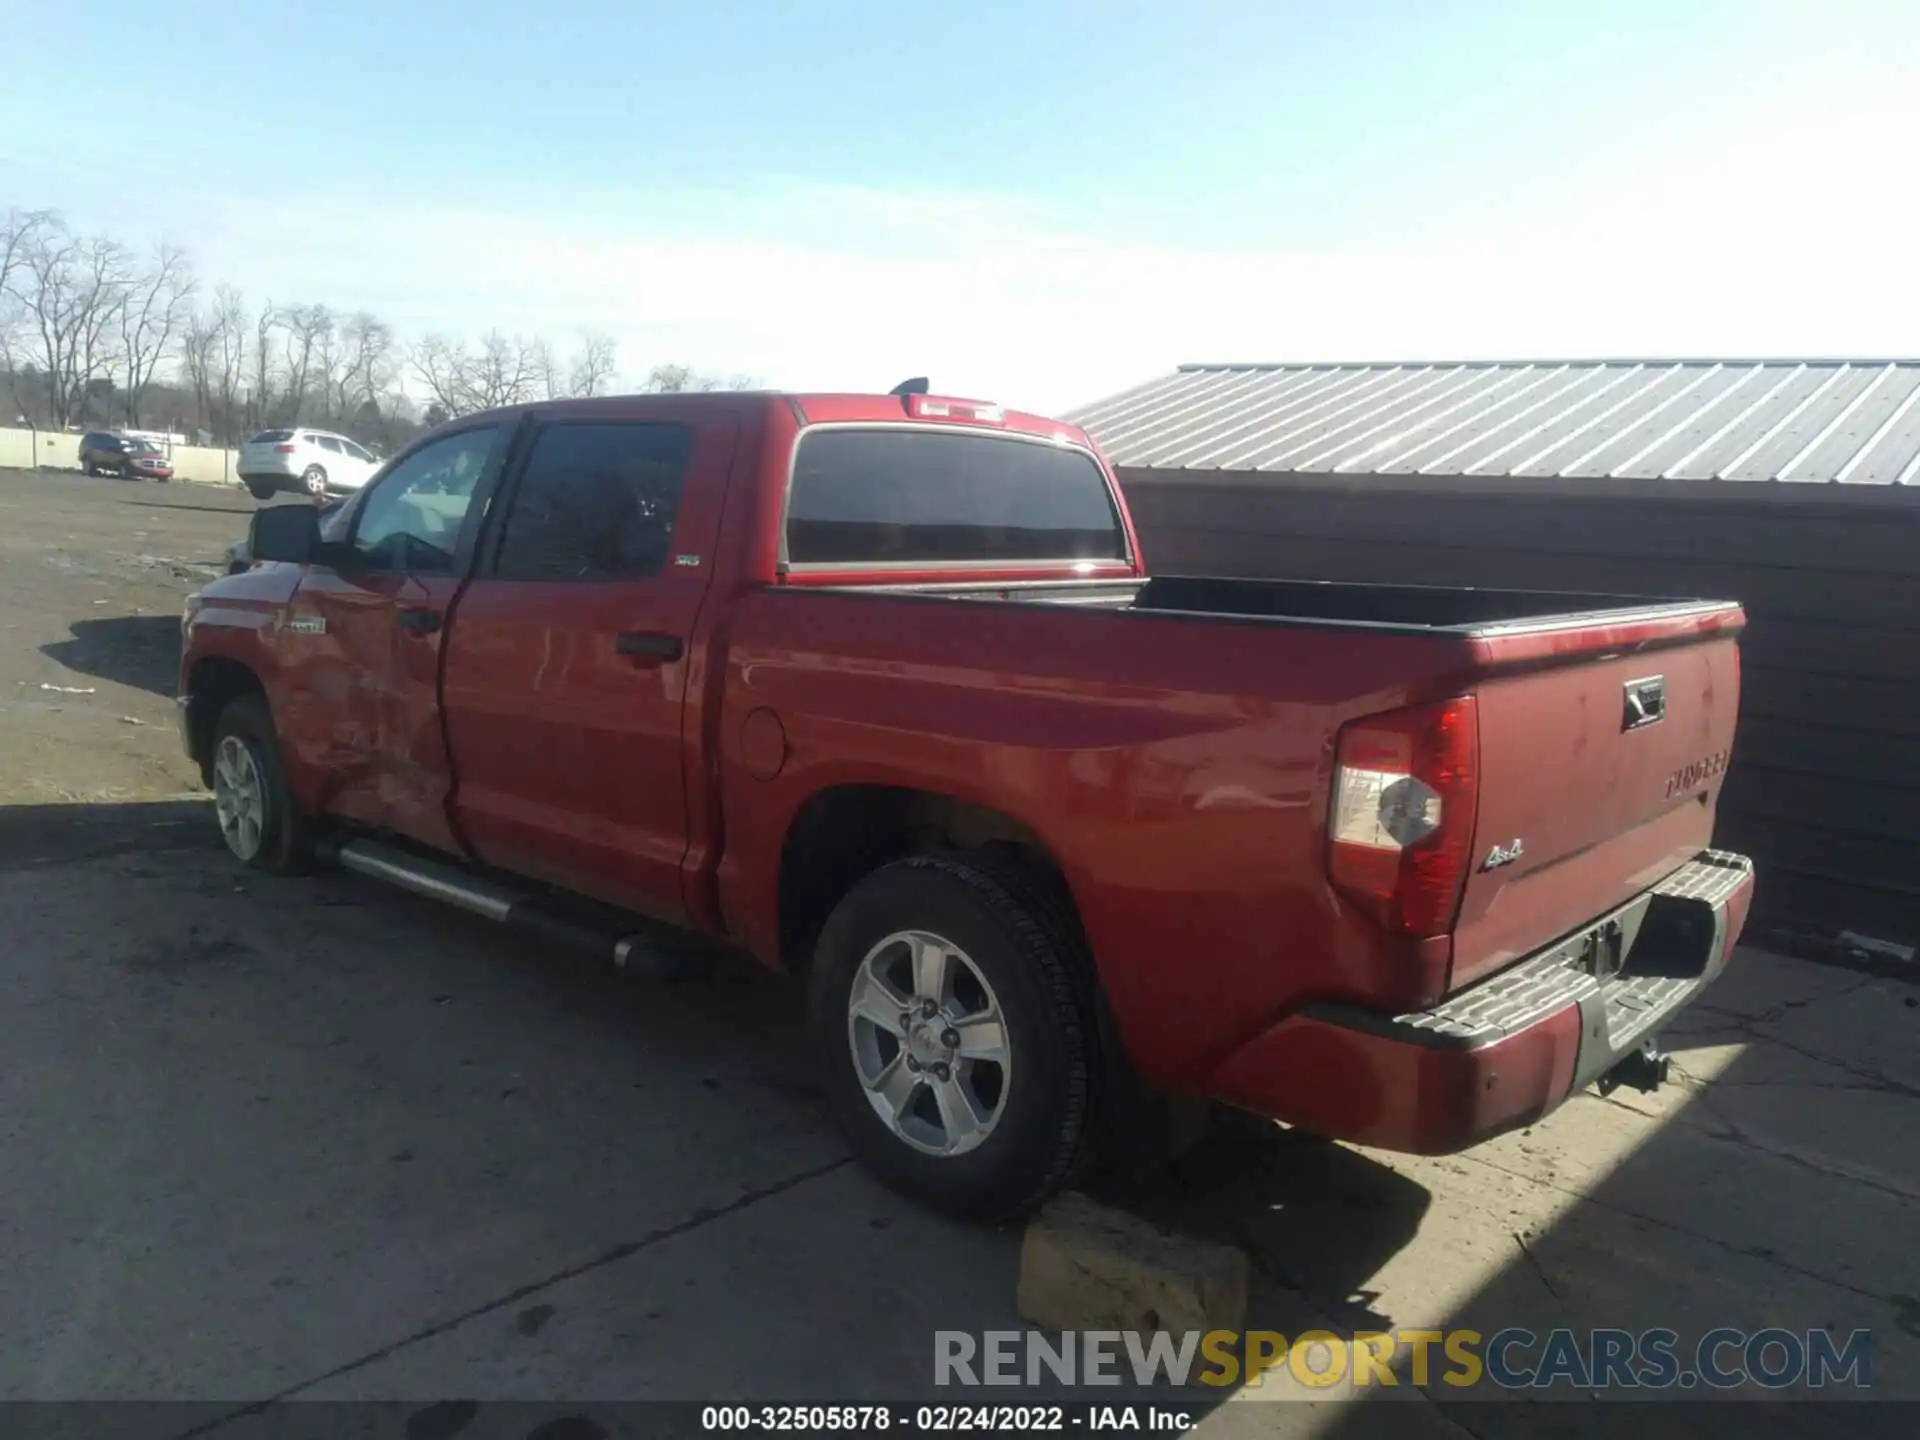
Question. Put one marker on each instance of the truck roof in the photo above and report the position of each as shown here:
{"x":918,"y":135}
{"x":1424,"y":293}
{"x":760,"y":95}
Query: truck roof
{"x":820,"y":408}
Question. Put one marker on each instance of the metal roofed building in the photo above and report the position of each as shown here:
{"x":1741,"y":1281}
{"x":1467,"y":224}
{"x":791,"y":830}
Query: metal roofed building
{"x":1790,"y":485}
{"x":1847,"y":421}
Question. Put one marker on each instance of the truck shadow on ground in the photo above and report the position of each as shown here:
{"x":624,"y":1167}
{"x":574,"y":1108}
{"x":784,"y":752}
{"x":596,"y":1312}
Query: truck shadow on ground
{"x":237,"y":511}
{"x":1771,"y":1188}
{"x":48,"y":835}
{"x":536,"y":1106}
{"x":138,"y":650}
{"x":1317,"y":1220}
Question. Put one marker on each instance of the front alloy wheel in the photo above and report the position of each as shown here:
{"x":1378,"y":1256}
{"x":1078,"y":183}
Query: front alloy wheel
{"x":239,"y":797}
{"x":929,"y":1044}
{"x":259,"y":819}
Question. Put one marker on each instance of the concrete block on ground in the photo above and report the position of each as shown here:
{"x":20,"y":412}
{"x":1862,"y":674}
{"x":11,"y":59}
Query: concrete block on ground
{"x":1086,"y":1266}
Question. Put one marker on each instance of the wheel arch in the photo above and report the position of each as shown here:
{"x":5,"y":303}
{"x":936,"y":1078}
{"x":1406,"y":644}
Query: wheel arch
{"x":844,"y":832}
{"x":214,"y":682}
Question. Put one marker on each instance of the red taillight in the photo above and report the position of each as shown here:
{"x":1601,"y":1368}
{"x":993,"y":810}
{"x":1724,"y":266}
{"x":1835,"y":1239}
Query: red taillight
{"x":942,"y":407}
{"x":284,"y":449}
{"x":1405,"y":789}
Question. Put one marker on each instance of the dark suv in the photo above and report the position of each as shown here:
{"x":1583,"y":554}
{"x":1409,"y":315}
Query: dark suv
{"x":126,"y":456}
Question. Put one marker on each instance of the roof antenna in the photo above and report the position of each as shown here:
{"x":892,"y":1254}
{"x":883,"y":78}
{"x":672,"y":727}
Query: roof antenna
{"x":915,"y":386}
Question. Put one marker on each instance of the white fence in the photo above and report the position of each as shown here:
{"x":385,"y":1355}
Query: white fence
{"x":51,"y":450}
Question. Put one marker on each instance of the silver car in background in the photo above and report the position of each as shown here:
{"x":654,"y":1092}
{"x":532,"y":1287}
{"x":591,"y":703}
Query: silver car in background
{"x":300,"y":458}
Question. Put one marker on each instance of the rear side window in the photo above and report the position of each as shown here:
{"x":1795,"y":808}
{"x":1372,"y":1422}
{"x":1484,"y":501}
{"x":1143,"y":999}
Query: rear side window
{"x":596,"y":502}
{"x":327,"y":442}
{"x":899,"y":496}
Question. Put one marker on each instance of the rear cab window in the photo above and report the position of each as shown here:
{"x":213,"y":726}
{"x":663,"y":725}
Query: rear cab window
{"x":596,"y":502}
{"x":894,"y":495}
{"x":271,"y":437}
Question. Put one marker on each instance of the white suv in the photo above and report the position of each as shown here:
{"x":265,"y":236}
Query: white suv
{"x":315,"y":461}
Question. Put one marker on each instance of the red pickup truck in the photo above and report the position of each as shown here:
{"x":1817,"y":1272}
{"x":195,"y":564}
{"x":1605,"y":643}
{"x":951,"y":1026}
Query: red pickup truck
{"x":878,"y":689}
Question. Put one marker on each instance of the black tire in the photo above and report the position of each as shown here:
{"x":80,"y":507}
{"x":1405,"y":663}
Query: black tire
{"x":1016,"y":927}
{"x":286,"y":835}
{"x":261,"y":490}
{"x":90,"y":470}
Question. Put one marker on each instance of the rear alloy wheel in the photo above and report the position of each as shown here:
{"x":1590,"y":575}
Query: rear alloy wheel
{"x":314,"y":480}
{"x":929,"y":1043}
{"x":951,"y":1006}
{"x":258,"y":817}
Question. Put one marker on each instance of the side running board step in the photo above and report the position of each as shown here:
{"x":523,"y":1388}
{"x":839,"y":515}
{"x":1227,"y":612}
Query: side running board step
{"x":637,"y":953}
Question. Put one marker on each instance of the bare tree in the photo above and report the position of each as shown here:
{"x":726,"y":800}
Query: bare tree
{"x":548,"y":382}
{"x":263,"y":328}
{"x":70,"y":289}
{"x":504,"y":373}
{"x":17,"y":235}
{"x":156,"y":310}
{"x":229,"y":358}
{"x":592,"y":364}
{"x":199,"y":344}
{"x":441,"y":365}
{"x":676,"y":379}
{"x":673,"y":379}
{"x":365,"y":374}
{"x":306,"y":331}
{"x":505,"y":370}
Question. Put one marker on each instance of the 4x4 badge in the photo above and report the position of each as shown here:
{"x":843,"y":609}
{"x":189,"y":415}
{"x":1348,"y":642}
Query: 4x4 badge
{"x":1504,"y":854}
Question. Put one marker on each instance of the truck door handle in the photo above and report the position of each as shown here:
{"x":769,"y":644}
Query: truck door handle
{"x":421,"y":622}
{"x":648,"y":644}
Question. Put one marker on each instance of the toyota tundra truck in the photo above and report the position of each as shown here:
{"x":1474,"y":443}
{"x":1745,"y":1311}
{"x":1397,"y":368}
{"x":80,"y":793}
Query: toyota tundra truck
{"x":878,"y":689}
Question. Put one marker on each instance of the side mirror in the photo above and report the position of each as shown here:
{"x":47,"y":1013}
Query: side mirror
{"x":289,"y":534}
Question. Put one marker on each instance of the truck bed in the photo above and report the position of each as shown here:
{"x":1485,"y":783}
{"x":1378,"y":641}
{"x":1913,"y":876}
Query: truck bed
{"x":1421,"y":609}
{"x":1177,"y":735}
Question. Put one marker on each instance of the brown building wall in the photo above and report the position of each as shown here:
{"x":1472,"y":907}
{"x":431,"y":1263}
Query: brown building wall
{"x":1824,"y":791}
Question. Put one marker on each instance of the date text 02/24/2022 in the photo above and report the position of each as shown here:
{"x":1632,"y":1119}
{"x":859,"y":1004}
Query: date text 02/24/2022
{"x":942,"y":1419}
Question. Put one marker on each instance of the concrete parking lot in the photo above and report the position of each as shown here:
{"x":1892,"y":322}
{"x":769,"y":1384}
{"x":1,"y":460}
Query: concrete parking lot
{"x":270,"y":1140}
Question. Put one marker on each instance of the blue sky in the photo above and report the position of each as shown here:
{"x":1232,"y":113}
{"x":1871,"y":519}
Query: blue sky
{"x":1041,"y":202}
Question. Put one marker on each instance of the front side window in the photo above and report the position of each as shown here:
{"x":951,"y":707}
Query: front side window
{"x":899,"y":496}
{"x":596,"y":502}
{"x":411,"y":520}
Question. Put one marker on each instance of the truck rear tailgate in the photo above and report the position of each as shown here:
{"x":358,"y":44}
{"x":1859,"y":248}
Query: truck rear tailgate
{"x":1597,"y":779}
